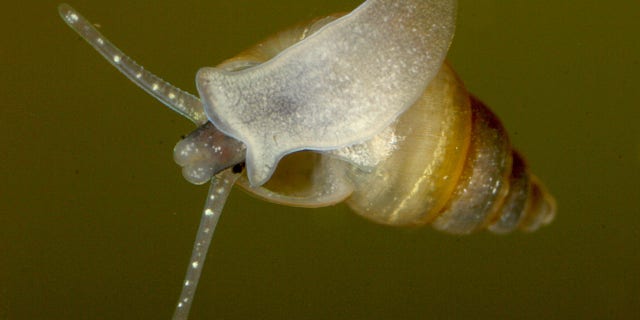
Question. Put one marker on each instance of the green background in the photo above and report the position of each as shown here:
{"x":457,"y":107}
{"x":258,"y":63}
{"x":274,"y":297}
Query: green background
{"x":97,"y":222}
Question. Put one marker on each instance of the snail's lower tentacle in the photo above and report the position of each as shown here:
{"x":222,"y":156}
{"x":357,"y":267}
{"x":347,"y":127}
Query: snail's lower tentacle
{"x":220,"y":188}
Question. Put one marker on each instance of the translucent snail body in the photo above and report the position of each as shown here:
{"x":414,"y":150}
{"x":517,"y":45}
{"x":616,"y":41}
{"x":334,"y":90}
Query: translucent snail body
{"x":358,"y":108}
{"x":447,"y":161}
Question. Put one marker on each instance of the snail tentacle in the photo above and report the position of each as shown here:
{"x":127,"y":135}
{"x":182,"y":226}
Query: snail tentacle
{"x":182,"y":102}
{"x":219,"y":190}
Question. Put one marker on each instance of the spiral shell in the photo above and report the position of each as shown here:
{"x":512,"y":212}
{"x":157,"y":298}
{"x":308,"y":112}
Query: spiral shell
{"x":394,"y":133}
{"x":446,"y":161}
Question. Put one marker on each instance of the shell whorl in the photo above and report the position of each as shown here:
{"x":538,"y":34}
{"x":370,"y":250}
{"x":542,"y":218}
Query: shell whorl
{"x":451,"y":165}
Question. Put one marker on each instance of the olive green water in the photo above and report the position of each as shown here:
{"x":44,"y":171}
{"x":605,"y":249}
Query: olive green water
{"x":96,"y":221}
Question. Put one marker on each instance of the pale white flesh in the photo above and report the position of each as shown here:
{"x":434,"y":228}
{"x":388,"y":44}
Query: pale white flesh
{"x":340,"y":86}
{"x":219,"y":190}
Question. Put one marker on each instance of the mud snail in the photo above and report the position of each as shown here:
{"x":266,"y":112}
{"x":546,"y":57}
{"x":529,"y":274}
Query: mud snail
{"x":360,"y":108}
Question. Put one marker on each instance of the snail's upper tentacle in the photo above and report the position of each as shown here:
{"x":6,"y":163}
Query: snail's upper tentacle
{"x":176,"y":99}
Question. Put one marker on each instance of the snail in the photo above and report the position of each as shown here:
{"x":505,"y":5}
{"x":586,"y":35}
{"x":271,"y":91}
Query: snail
{"x":359,"y":108}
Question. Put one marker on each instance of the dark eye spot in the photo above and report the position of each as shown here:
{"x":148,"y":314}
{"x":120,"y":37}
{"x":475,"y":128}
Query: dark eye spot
{"x":238,"y":168}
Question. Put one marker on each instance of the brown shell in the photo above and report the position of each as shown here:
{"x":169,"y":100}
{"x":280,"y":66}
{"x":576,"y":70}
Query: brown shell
{"x":451,"y":163}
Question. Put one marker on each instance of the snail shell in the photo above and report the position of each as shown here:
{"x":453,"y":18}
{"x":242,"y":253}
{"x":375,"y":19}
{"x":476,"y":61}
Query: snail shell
{"x":446,"y":161}
{"x":363,"y":111}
